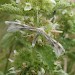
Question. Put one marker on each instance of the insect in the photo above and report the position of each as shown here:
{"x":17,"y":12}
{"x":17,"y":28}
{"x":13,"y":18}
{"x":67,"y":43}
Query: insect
{"x":16,"y":26}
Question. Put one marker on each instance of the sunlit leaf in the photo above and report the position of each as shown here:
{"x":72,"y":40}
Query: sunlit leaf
{"x":27,"y":7}
{"x":17,"y":1}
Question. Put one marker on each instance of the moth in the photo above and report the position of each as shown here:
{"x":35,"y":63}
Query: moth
{"x":16,"y":26}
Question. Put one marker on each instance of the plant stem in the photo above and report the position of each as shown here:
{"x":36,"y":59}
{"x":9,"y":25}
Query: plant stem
{"x":7,"y":61}
{"x":65,"y":64}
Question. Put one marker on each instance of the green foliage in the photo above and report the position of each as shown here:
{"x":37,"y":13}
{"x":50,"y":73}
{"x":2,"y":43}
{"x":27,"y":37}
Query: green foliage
{"x":40,"y":13}
{"x":12,"y":9}
{"x":35,"y":58}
